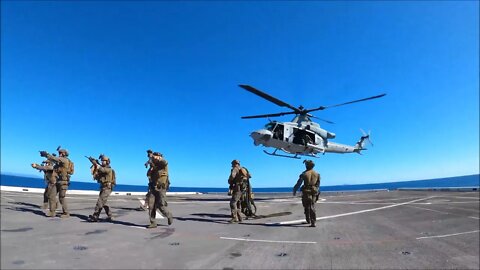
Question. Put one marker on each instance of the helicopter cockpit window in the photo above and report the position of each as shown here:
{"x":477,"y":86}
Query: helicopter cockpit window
{"x":270,"y":126}
{"x":278,"y":132}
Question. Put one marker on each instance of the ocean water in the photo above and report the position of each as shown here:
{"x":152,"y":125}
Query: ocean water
{"x":459,"y":181}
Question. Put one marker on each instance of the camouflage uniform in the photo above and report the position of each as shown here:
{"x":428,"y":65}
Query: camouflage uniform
{"x":236,"y":182}
{"x":158,"y":189}
{"x":311,"y":182}
{"x":104,"y":175}
{"x":51,"y":188}
{"x":149,"y":172}
{"x":61,"y":165}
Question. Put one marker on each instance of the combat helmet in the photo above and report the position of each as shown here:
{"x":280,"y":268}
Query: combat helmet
{"x":235,"y":161}
{"x":309,"y":164}
{"x":63,"y":151}
{"x":102,"y":157}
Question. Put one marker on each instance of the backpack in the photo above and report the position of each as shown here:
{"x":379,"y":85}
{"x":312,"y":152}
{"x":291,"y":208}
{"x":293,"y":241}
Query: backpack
{"x":114,"y":178}
{"x":71,"y":168}
{"x":244,"y":171}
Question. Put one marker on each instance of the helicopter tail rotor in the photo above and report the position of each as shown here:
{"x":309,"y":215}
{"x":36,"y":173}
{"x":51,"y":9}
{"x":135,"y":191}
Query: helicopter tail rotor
{"x":367,"y":136}
{"x":360,"y":145}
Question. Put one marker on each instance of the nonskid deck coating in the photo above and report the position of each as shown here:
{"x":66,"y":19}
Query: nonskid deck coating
{"x":380,"y":230}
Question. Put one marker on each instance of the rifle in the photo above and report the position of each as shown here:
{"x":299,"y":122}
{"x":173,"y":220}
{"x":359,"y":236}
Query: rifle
{"x":95,"y":165}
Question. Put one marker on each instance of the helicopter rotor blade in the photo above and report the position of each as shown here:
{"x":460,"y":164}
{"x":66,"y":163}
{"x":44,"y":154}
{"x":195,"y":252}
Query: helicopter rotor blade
{"x":268,"y":97}
{"x":341,"y":104}
{"x":324,"y":120}
{"x":267,"y":115}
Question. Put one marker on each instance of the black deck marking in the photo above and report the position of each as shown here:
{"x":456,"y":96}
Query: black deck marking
{"x":283,"y":254}
{"x":235,"y":254}
{"x":95,"y":232}
{"x":18,"y":262}
{"x":80,"y":248}
{"x":19,"y":229}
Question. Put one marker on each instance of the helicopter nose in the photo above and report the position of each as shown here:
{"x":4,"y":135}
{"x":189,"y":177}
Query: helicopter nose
{"x":261,"y":135}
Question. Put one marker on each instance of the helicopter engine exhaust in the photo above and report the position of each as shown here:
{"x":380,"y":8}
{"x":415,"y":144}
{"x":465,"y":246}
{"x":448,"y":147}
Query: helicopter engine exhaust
{"x":324,"y":134}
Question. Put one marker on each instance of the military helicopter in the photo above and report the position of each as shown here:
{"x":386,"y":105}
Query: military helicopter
{"x":301,"y":136}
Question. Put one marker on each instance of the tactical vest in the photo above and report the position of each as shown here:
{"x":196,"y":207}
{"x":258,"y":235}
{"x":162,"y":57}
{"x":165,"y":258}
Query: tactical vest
{"x":159,"y":174}
{"x":240,"y":179}
{"x":61,"y":168}
{"x":106,"y":180}
{"x":310,"y":178}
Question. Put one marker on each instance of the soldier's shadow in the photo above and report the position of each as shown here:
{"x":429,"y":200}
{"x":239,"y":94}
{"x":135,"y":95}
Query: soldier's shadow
{"x":211,"y":218}
{"x":36,"y":211}
{"x":102,"y":220}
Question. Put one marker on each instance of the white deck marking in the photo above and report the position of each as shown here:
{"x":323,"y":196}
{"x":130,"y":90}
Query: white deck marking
{"x":350,"y":213}
{"x":439,"y":211}
{"x":8,"y":199}
{"x":160,"y":214}
{"x":137,"y":227}
{"x":446,"y":235}
{"x":267,"y":241}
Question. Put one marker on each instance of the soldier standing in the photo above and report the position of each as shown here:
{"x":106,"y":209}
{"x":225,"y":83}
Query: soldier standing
{"x":149,"y":172}
{"x":236,"y":182}
{"x":105,"y":175}
{"x":63,"y":167}
{"x":311,"y":182}
{"x":51,"y":189}
{"x":158,"y":189}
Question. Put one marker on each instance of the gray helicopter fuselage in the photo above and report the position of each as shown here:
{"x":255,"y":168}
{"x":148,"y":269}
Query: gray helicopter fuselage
{"x":290,"y":138}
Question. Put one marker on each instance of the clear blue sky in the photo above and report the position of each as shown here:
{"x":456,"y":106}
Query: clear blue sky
{"x":122,"y":77}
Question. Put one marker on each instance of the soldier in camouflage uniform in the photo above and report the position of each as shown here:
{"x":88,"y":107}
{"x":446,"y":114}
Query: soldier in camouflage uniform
{"x":61,"y":166}
{"x":158,"y":189}
{"x":105,"y":175}
{"x":237,"y":183}
{"x":311,"y":182}
{"x":51,"y":189}
{"x":149,"y":172}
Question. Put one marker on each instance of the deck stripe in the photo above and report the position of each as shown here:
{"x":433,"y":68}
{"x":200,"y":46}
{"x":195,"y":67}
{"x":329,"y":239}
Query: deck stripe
{"x":350,"y":213}
{"x":446,"y":235}
{"x":266,"y":241}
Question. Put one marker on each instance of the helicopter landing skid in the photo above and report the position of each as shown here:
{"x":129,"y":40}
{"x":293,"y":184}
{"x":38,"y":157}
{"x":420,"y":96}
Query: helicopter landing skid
{"x":274,"y":153}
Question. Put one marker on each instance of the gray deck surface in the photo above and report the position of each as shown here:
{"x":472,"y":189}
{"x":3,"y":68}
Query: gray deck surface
{"x":366,"y":230}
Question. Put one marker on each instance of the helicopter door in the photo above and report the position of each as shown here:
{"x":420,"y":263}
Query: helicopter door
{"x":303,"y":137}
{"x":278,"y":132}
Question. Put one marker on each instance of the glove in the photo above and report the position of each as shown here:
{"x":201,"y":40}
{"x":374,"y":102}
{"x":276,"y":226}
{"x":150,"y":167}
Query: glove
{"x":229,"y":192}
{"x":43,"y":153}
